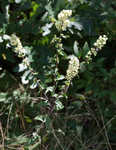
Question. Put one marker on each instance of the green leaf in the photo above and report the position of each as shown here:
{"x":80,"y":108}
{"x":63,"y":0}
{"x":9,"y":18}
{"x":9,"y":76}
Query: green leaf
{"x":49,"y":89}
{"x":18,"y":1}
{"x":19,"y":140}
{"x":41,"y":118}
{"x":85,"y":49}
{"x":76,"y":25}
{"x":60,"y":77}
{"x":24,"y":78}
{"x":21,"y":67}
{"x":3,"y":97}
{"x":59,"y":105}
{"x":28,"y":119}
{"x":48,"y":123}
{"x":80,"y":96}
{"x":75,"y":48}
{"x":82,"y":66}
{"x":79,"y":129}
{"x":46,"y":29}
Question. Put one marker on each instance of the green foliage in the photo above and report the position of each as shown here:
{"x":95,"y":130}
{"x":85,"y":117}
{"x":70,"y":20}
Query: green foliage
{"x":41,"y":43}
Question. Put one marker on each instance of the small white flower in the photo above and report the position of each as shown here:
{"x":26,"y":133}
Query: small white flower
{"x":65,"y":24}
{"x":14,"y":40}
{"x":73,"y":68}
{"x":64,"y":14}
{"x":63,"y":21}
{"x":26,"y":61}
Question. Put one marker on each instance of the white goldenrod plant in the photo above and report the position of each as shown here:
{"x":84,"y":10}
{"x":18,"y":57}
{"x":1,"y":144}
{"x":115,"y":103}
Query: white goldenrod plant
{"x":63,"y":20}
{"x":98,"y":45}
{"x":73,"y":68}
{"x":18,"y":48}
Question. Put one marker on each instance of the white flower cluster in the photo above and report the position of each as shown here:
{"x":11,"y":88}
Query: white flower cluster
{"x":19,"y":49}
{"x":21,"y":52}
{"x":98,"y":45}
{"x":64,"y":14}
{"x":101,"y":41}
{"x":63,"y":19}
{"x":73,"y":68}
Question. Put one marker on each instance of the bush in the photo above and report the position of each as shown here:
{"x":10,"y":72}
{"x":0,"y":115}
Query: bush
{"x":57,"y":81}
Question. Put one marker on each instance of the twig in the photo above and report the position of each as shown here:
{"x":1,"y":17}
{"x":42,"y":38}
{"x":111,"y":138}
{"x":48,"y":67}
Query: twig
{"x":105,"y":125}
{"x":7,"y":126}
{"x":105,"y":132}
{"x":2,"y":134}
{"x":58,"y":141}
{"x":20,"y":116}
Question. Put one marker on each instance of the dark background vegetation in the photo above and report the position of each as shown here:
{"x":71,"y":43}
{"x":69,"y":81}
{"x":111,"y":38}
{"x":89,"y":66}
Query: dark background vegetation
{"x":47,"y":118}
